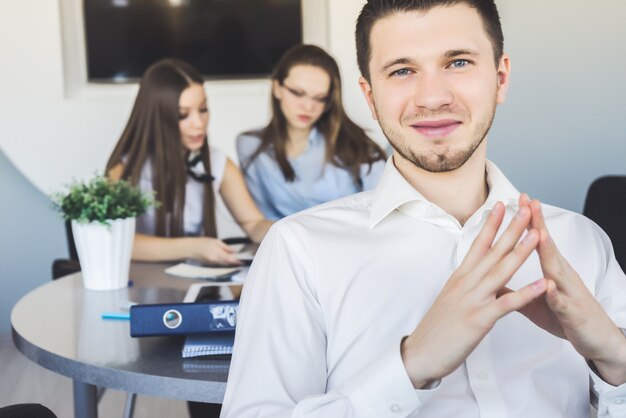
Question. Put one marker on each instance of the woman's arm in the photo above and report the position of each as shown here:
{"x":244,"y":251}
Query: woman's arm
{"x":246,"y":147}
{"x":151,"y":248}
{"x":240,"y":204}
{"x":116,"y":172}
{"x":210,"y":250}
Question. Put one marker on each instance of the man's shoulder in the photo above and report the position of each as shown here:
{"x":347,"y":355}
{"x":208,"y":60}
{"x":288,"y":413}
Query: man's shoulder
{"x":570,"y":223}
{"x":551,"y":212}
{"x":338,"y":216}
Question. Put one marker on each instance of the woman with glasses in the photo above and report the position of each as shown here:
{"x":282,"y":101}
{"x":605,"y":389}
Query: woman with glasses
{"x":310,"y":152}
{"x":164,"y":148}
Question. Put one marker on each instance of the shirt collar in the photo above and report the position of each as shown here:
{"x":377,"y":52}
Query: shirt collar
{"x":394,"y":192}
{"x":315,"y":137}
{"x":500,"y":189}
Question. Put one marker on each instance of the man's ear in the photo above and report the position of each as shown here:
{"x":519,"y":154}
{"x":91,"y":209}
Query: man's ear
{"x":366,"y":88}
{"x":276,"y":91}
{"x":504,"y":74}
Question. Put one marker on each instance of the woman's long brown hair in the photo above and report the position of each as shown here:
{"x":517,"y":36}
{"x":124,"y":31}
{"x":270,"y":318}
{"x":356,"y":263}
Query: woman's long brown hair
{"x":347,"y":144}
{"x":152,"y":135}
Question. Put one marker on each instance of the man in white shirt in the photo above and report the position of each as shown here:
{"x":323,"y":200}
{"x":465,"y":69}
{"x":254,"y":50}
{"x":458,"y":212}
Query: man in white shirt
{"x":444,"y":292}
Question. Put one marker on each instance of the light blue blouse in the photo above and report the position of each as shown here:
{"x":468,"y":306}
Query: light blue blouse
{"x":316,"y":182}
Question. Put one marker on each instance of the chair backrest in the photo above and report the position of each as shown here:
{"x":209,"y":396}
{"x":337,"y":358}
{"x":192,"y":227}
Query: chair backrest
{"x":606,"y":205}
{"x":71,"y":246}
{"x":26,"y":410}
{"x":64,"y":266}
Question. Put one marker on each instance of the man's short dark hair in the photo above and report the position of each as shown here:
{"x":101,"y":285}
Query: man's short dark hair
{"x":374,"y":10}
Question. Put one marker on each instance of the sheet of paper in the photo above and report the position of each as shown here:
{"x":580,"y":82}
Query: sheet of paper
{"x":240,"y":276}
{"x":199,"y":272}
{"x":192,"y":292}
{"x":237,"y":247}
{"x":244,"y":252}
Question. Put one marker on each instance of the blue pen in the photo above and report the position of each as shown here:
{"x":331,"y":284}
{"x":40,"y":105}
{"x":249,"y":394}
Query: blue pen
{"x":116,"y":315}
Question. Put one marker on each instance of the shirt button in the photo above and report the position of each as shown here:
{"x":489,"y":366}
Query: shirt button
{"x":481,"y":376}
{"x":395,"y":408}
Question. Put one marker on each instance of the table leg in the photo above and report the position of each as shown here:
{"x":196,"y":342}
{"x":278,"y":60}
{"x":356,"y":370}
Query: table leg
{"x":85,"y":400}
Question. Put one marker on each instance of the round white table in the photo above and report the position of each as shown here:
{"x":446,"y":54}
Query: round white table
{"x":59,"y":326}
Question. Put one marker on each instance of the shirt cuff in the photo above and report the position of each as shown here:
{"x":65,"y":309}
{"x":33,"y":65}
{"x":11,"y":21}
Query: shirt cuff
{"x":386,"y":390}
{"x":611,"y":399}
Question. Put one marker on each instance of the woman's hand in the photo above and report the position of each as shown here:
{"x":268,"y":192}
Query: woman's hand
{"x":205,"y":249}
{"x":212,"y":251}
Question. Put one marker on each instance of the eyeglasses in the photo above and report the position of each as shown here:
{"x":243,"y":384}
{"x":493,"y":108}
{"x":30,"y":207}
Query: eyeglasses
{"x":322,"y":101}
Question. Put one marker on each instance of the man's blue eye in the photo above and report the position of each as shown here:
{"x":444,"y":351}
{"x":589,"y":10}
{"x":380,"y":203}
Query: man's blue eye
{"x":401,"y":72}
{"x":459,"y":63}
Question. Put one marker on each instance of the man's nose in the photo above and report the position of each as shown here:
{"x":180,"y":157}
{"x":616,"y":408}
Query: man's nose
{"x":432,"y":90}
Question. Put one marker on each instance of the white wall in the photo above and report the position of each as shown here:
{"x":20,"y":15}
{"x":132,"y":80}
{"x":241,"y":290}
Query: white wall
{"x":31,"y":236}
{"x":560,"y":128}
{"x":562,"y":125}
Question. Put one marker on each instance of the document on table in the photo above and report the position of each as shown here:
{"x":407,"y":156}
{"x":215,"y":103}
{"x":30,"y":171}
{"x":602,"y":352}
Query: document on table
{"x":191,"y":271}
{"x":244,"y":252}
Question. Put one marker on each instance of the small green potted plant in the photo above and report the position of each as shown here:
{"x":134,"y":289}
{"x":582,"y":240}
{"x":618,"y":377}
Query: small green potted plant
{"x":102,"y":213}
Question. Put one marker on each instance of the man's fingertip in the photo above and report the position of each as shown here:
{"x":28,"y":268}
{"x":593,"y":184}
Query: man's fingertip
{"x":524,"y":199}
{"x":539,"y":286}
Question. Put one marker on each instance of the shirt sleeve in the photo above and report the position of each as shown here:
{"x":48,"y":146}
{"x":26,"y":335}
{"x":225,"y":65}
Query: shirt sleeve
{"x":371,"y":175}
{"x":611,"y":399}
{"x":279,"y":368}
{"x":246,"y":146}
{"x":611,"y":293}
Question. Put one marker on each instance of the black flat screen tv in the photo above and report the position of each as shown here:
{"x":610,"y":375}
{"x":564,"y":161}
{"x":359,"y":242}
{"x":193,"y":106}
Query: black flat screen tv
{"x":224,"y":39}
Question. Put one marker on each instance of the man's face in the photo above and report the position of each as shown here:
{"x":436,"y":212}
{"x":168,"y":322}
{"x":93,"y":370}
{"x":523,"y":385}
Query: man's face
{"x":434,"y":86}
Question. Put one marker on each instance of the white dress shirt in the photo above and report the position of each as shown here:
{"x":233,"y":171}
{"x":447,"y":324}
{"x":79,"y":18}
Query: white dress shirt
{"x":334,"y":289}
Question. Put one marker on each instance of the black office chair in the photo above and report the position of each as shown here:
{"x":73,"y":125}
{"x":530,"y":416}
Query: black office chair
{"x":26,"y":410}
{"x":606,"y":205}
{"x":64,"y":266}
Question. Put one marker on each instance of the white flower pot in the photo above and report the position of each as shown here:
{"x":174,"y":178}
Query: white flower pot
{"x":104,"y":252}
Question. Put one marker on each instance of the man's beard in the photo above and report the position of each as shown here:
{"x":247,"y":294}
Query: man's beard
{"x":441,"y":158}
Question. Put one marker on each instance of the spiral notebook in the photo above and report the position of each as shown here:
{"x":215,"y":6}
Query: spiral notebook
{"x":209,"y":344}
{"x":215,"y":343}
